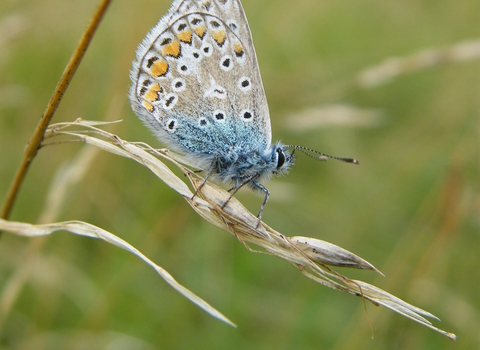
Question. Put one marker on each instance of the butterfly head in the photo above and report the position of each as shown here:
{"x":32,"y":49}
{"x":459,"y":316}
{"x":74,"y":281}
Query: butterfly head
{"x":283,"y":159}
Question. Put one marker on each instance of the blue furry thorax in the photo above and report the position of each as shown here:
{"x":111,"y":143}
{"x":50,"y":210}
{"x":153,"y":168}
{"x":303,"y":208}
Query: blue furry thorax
{"x":236,"y":166}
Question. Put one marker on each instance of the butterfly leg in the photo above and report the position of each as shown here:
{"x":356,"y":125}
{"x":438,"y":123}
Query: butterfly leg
{"x":257,"y":185}
{"x":265,"y":200}
{"x":201,"y":185}
{"x":235,"y":189}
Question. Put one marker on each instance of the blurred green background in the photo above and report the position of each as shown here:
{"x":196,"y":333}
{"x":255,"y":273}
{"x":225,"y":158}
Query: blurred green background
{"x":411,"y":208}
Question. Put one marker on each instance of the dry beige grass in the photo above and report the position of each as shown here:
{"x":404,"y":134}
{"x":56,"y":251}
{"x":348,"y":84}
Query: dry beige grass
{"x":313,"y":257}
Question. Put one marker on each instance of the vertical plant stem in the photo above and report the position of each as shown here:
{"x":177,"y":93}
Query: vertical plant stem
{"x":62,"y":85}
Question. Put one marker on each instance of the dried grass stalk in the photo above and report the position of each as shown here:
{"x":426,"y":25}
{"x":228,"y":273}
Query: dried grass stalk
{"x":312,"y":256}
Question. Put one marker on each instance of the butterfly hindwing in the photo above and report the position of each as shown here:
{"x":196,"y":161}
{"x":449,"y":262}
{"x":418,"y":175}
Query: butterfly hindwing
{"x":197,"y":81}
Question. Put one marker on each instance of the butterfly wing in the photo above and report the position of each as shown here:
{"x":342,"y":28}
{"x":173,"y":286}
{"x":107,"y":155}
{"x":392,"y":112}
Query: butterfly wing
{"x":196,"y":80}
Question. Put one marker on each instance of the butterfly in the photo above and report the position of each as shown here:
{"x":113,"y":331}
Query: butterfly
{"x":196,"y":83}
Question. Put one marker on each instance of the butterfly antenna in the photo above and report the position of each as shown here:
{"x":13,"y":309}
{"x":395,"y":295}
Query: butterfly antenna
{"x":319,"y":155}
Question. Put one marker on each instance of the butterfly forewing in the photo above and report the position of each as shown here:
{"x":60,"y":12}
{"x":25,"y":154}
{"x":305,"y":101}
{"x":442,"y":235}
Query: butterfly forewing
{"x":197,"y":82}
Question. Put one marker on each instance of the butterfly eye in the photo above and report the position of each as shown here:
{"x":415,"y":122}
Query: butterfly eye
{"x":280,"y":158}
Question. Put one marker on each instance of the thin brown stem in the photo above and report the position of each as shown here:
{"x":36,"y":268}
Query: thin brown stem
{"x":62,"y":85}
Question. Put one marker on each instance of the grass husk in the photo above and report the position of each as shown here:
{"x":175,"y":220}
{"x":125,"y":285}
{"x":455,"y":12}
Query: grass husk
{"x":314,"y":258}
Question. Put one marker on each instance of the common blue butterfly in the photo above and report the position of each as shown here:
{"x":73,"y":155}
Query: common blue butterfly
{"x":197,"y":85}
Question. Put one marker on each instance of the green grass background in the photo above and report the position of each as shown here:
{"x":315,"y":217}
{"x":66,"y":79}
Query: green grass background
{"x":412,"y":207}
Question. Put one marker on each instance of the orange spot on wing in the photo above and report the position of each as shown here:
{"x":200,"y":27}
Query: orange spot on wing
{"x":238,"y":49}
{"x":171,"y":49}
{"x":200,"y":31}
{"x":159,"y":68}
{"x":219,"y":36}
{"x":148,"y":106}
{"x":185,"y":36}
{"x":153,"y":93}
